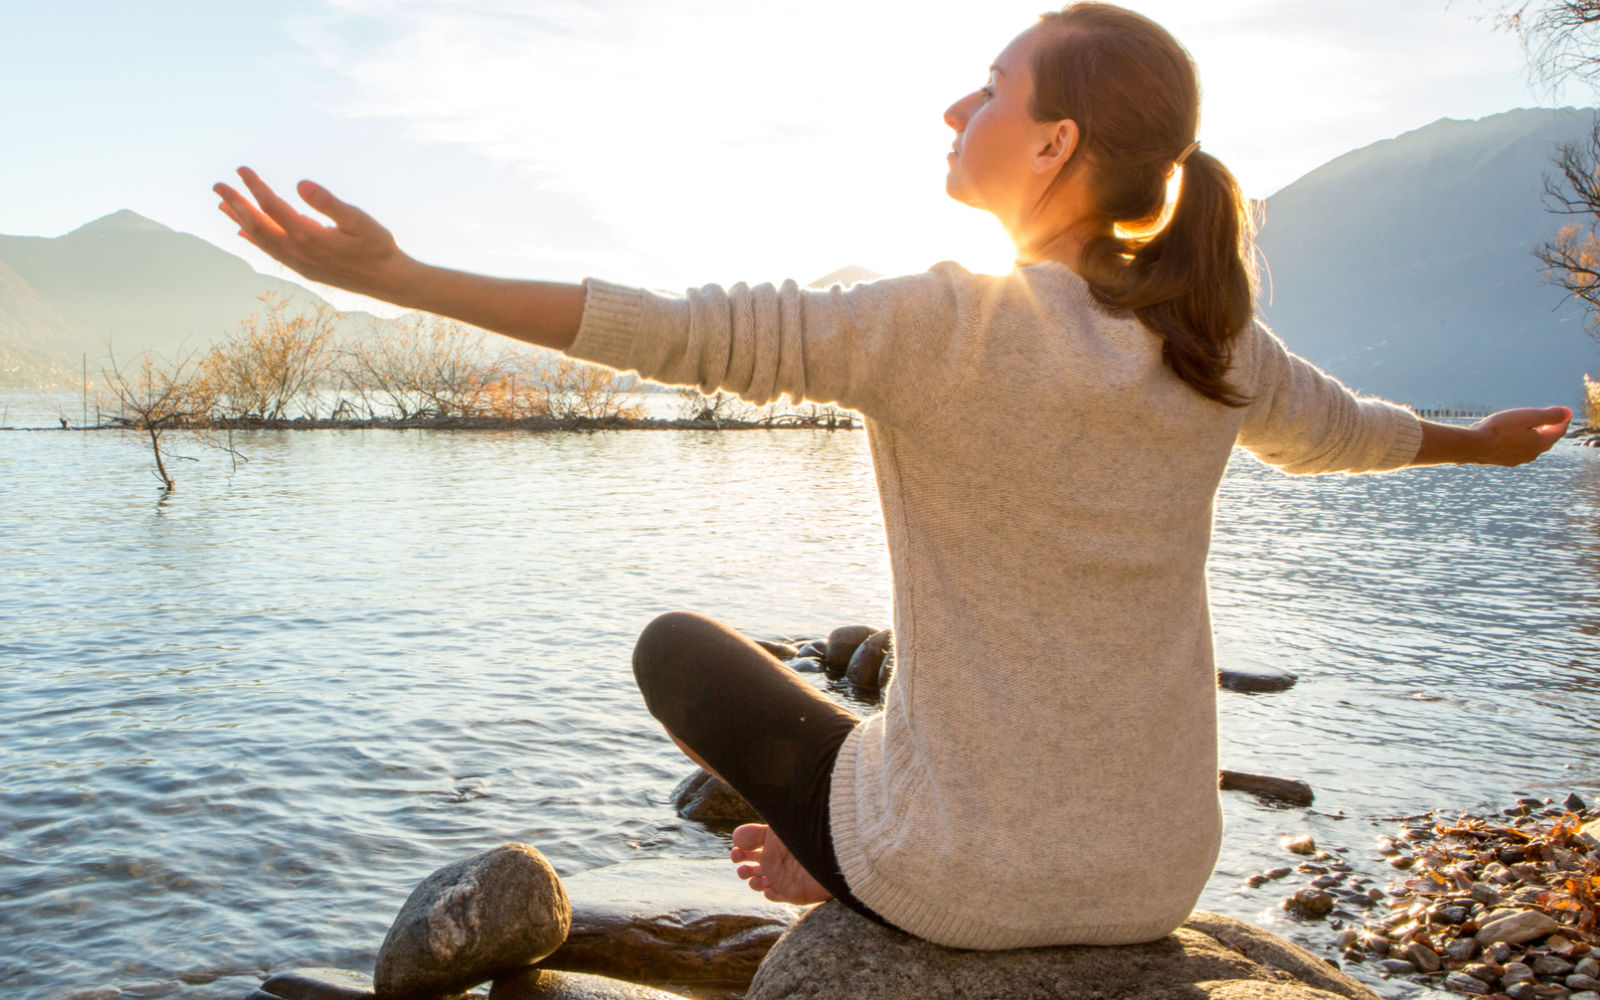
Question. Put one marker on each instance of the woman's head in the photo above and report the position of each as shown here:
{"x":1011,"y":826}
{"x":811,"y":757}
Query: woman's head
{"x":1112,"y":105}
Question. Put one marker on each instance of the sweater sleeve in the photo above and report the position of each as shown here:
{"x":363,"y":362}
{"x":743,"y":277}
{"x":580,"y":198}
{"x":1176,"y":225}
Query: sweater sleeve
{"x":1303,"y":420}
{"x":870,"y":347}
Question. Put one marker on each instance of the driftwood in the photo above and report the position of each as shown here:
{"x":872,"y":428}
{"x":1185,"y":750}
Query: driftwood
{"x":1286,"y":790}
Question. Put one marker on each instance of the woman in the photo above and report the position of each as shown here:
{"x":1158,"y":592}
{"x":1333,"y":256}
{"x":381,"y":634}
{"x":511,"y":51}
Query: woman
{"x":1047,"y":445}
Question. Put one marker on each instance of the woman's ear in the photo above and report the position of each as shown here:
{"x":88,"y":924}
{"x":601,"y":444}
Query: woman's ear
{"x":1061,"y":141}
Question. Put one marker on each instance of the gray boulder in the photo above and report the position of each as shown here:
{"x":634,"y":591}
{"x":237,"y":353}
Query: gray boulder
{"x":492,"y":914}
{"x":705,"y":798}
{"x":536,"y":984}
{"x":670,"y":922}
{"x":867,"y":661}
{"x":782,"y":650}
{"x":842,"y":643}
{"x":831,"y":952}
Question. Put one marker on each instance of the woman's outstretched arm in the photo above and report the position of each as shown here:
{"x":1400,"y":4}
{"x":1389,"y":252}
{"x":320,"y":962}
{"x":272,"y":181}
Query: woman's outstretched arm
{"x":359,"y":255}
{"x":1510,"y":437}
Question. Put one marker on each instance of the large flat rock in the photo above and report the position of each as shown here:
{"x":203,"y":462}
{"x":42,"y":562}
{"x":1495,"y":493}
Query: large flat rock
{"x":663,"y":921}
{"x":831,"y":952}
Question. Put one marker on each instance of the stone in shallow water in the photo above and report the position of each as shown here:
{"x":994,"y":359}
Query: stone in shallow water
{"x":867,"y":660}
{"x":833,"y":953}
{"x":488,"y":915}
{"x":842,"y":643}
{"x":705,"y":798}
{"x":1254,"y":679}
{"x":315,"y":984}
{"x":536,"y":984}
{"x":669,"y":922}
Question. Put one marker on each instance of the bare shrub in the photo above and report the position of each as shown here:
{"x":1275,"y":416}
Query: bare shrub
{"x":271,"y":365}
{"x":421,"y":366}
{"x":156,"y":396}
{"x":1591,"y":403}
{"x":571,"y":390}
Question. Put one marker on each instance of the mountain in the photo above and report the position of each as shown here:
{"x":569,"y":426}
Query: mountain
{"x":1406,"y":268}
{"x":121,"y":280}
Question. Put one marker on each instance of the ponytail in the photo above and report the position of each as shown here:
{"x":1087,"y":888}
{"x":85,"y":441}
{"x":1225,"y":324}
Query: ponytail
{"x":1190,"y":282}
{"x":1131,"y":88}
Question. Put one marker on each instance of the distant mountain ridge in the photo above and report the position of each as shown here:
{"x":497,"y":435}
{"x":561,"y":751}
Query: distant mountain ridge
{"x":124,"y":281}
{"x":1405,"y":268}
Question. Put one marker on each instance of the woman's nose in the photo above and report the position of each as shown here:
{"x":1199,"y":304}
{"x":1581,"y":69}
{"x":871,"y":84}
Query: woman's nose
{"x":955,"y":115}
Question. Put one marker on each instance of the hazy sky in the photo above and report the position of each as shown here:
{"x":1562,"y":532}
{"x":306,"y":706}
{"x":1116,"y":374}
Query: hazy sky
{"x":667,"y":142}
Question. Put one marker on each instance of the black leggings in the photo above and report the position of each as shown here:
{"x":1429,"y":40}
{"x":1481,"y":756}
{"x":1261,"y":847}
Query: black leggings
{"x":767,"y":733}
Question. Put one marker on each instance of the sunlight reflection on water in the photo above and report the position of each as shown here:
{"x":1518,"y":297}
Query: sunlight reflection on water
{"x":241,"y":722}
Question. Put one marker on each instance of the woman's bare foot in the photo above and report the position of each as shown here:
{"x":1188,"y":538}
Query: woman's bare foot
{"x":771,"y":869}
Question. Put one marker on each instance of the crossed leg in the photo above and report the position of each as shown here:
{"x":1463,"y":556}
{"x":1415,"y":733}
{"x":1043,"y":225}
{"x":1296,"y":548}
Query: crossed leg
{"x":745,"y":717}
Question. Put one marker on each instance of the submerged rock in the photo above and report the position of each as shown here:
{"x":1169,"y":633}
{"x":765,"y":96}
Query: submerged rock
{"x":315,"y":984}
{"x":834,"y":953}
{"x":488,"y":915}
{"x":1254,"y":679}
{"x":669,"y":922}
{"x":1290,"y":791}
{"x":705,"y":798}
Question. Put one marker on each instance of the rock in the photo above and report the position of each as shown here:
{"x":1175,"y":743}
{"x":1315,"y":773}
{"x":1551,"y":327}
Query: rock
{"x":1518,"y":927}
{"x":669,"y":922}
{"x":1300,"y":845}
{"x":1328,"y":881}
{"x":1484,"y":972}
{"x":1573,"y":803}
{"x":1276,"y":873}
{"x":1585,"y":995}
{"x":842,"y":643}
{"x":1402,"y":861}
{"x":1463,"y":983}
{"x":1396,"y":967}
{"x":816,"y":648}
{"x":1485,"y":893}
{"x":1254,"y":679}
{"x":1287,"y":790}
{"x":1450,"y":915}
{"x":1589,"y":833}
{"x":1521,"y":991}
{"x":868,"y":659}
{"x":806,"y":665}
{"x":1310,"y":902}
{"x":1580,"y":983}
{"x":833,"y":953}
{"x":316,"y":984}
{"x":537,"y":984}
{"x":1497,"y":953}
{"x":1462,"y":949}
{"x":1516,"y":972}
{"x":491,"y":914}
{"x":1551,"y":965}
{"x":705,"y":798}
{"x":1423,"y":957}
{"x":1588,"y":966}
{"x":782,"y":650}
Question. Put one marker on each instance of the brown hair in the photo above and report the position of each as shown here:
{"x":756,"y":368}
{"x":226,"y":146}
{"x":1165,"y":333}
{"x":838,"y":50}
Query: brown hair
{"x":1131,"y":89}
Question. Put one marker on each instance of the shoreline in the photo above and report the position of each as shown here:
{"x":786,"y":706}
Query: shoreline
{"x":839,"y":422}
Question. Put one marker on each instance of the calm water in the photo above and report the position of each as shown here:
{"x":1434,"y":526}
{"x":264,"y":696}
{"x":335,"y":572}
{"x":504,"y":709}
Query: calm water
{"x":238,"y":724}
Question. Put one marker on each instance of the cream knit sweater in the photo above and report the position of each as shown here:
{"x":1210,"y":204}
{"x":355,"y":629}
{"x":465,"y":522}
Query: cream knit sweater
{"x":1047,"y":487}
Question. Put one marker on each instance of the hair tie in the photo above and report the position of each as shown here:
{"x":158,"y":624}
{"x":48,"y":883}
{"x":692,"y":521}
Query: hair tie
{"x":1192,"y":148}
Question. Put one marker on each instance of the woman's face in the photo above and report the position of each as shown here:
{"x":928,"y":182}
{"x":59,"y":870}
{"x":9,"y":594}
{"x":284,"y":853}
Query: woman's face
{"x":994,"y":158}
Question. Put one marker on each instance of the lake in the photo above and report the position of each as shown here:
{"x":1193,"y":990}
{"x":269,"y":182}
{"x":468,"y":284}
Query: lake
{"x":241,"y":721}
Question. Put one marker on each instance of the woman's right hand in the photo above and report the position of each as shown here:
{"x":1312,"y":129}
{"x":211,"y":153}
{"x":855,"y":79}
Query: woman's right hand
{"x":355,"y":253}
